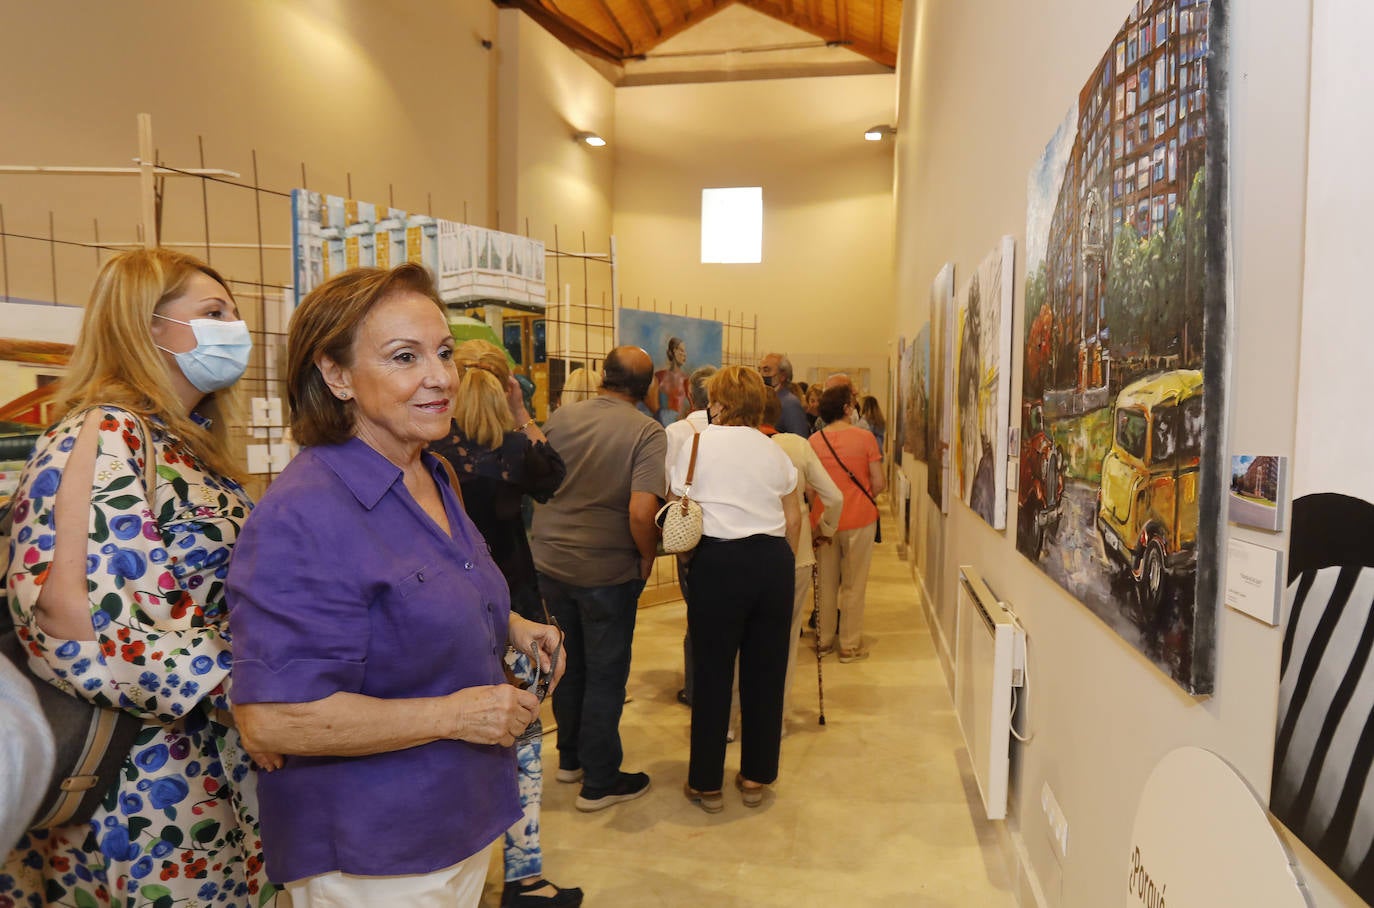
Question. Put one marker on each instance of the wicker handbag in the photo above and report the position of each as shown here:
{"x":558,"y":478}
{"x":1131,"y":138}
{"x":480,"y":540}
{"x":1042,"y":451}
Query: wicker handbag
{"x":681,"y":519}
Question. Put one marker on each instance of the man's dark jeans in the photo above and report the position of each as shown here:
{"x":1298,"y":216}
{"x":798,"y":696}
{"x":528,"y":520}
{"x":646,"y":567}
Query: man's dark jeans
{"x":599,"y":624}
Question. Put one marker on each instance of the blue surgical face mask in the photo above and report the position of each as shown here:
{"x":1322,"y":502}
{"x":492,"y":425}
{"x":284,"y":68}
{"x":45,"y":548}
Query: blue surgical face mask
{"x":220,"y":356}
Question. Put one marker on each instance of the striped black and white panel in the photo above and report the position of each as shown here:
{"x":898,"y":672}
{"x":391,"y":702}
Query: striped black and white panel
{"x":1324,"y":747}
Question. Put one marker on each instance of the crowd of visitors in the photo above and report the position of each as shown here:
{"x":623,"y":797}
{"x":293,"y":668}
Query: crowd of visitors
{"x":339,"y":688}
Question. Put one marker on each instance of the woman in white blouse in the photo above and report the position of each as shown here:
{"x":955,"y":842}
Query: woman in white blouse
{"x":742,"y":585}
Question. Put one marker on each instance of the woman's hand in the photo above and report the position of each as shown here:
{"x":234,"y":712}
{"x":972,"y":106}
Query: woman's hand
{"x":267,"y":761}
{"x":493,"y":713}
{"x":525,"y":635}
{"x":515,"y":399}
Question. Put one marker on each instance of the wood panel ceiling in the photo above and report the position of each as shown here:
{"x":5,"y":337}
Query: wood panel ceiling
{"x":620,"y":30}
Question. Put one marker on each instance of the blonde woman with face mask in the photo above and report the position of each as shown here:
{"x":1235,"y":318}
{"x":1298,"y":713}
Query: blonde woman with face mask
{"x":118,"y":592}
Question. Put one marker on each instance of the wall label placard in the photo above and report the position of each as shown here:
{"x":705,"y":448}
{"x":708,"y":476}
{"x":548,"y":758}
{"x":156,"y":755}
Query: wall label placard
{"x":1253,"y":579}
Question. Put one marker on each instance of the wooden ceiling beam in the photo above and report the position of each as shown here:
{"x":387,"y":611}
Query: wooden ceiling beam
{"x":878,"y":21}
{"x":690,"y":17}
{"x":680,"y":11}
{"x":629,"y":42}
{"x":873,"y":52}
{"x":649,"y":17}
{"x":842,"y":18}
{"x":569,"y":31}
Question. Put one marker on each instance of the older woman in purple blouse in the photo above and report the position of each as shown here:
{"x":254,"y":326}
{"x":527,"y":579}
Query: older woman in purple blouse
{"x":369,"y":620}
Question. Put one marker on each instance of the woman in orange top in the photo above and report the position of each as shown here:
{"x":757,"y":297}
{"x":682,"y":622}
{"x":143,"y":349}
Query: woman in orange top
{"x":851,"y":456}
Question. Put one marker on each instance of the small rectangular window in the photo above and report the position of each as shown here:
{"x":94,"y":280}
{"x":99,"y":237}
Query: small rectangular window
{"x":732,"y":225}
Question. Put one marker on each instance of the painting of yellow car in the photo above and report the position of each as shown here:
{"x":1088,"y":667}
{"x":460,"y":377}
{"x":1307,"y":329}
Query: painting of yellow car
{"x":1147,"y":511}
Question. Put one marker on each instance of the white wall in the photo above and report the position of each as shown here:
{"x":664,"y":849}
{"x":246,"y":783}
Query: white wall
{"x":983,"y":86}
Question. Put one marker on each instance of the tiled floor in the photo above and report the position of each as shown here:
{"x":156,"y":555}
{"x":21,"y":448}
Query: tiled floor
{"x":872,"y":808}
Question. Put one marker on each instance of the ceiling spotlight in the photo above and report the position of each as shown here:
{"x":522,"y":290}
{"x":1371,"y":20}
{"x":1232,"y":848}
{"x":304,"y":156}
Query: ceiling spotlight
{"x":879,"y":132}
{"x":590,"y":138}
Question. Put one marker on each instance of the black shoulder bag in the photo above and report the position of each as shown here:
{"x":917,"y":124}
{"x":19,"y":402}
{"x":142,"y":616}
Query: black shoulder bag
{"x":92,"y":741}
{"x":878,"y":532}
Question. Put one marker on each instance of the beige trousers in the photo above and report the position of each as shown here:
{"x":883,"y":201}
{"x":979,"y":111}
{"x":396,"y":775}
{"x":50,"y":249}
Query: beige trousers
{"x":843,"y":577}
{"x":458,"y":886}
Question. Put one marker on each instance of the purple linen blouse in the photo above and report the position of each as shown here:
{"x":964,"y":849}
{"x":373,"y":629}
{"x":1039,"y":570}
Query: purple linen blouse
{"x":341,"y":582}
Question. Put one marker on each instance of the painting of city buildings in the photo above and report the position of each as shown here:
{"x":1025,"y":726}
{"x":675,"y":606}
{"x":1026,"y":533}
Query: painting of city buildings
{"x":1125,"y":310}
{"x":982,"y":376}
{"x":1256,"y":482}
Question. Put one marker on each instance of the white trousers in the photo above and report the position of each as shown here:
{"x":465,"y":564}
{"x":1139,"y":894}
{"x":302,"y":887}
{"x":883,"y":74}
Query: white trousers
{"x":458,"y":886}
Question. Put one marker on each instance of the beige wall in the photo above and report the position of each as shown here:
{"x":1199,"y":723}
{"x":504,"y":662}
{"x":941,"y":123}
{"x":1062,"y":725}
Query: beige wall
{"x":546,"y":94}
{"x":398,"y":95}
{"x":822,"y":291}
{"x":978,"y":105}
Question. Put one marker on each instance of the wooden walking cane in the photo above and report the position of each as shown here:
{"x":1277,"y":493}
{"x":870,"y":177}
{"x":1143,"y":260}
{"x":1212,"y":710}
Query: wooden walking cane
{"x":815,"y":619}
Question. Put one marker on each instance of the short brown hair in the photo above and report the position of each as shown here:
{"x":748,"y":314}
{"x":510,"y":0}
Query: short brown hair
{"x":834,"y":402}
{"x":326,"y":324}
{"x":739,"y":391}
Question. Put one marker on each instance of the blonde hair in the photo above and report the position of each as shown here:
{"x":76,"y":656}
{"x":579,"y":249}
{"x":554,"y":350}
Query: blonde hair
{"x":581,"y":384}
{"x":739,"y":390}
{"x":326,"y":324}
{"x":480,"y":408}
{"x":115,"y":362}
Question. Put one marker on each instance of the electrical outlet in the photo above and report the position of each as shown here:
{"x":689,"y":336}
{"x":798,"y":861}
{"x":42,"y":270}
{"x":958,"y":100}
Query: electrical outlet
{"x":1058,"y":823}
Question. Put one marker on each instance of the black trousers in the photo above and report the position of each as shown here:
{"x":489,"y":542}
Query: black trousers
{"x":741,"y":604}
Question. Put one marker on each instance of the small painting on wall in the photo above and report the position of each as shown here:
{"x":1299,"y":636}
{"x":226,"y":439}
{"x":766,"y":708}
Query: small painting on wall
{"x":1258,"y":482}
{"x":940,"y":389}
{"x":899,"y":433}
{"x":915,"y":388}
{"x":982,"y":369}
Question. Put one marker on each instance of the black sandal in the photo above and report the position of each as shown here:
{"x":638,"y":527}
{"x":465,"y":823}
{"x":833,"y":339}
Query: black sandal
{"x":519,"y":895}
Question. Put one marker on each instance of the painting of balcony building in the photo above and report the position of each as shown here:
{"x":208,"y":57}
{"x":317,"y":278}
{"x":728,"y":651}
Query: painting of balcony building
{"x":1121,"y":470}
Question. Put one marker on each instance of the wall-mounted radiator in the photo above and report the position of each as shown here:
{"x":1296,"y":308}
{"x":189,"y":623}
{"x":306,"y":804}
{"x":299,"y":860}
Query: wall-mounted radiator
{"x":989,"y":660}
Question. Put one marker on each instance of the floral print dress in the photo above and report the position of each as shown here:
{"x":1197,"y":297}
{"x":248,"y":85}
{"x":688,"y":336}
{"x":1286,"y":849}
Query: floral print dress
{"x":181,"y":826}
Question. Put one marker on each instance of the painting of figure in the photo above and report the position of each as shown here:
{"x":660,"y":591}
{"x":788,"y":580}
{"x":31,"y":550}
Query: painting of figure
{"x":983,"y":386}
{"x":915,"y":395}
{"x":940,"y":388}
{"x":678,"y":345}
{"x":1122,"y":471}
{"x":900,"y":436}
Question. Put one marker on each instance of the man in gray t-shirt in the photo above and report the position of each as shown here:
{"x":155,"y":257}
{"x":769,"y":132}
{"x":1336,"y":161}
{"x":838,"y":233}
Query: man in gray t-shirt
{"x":594,"y":544}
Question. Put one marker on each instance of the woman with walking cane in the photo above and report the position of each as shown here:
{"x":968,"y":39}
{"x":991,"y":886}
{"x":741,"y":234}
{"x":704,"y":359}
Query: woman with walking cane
{"x":812,"y":482}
